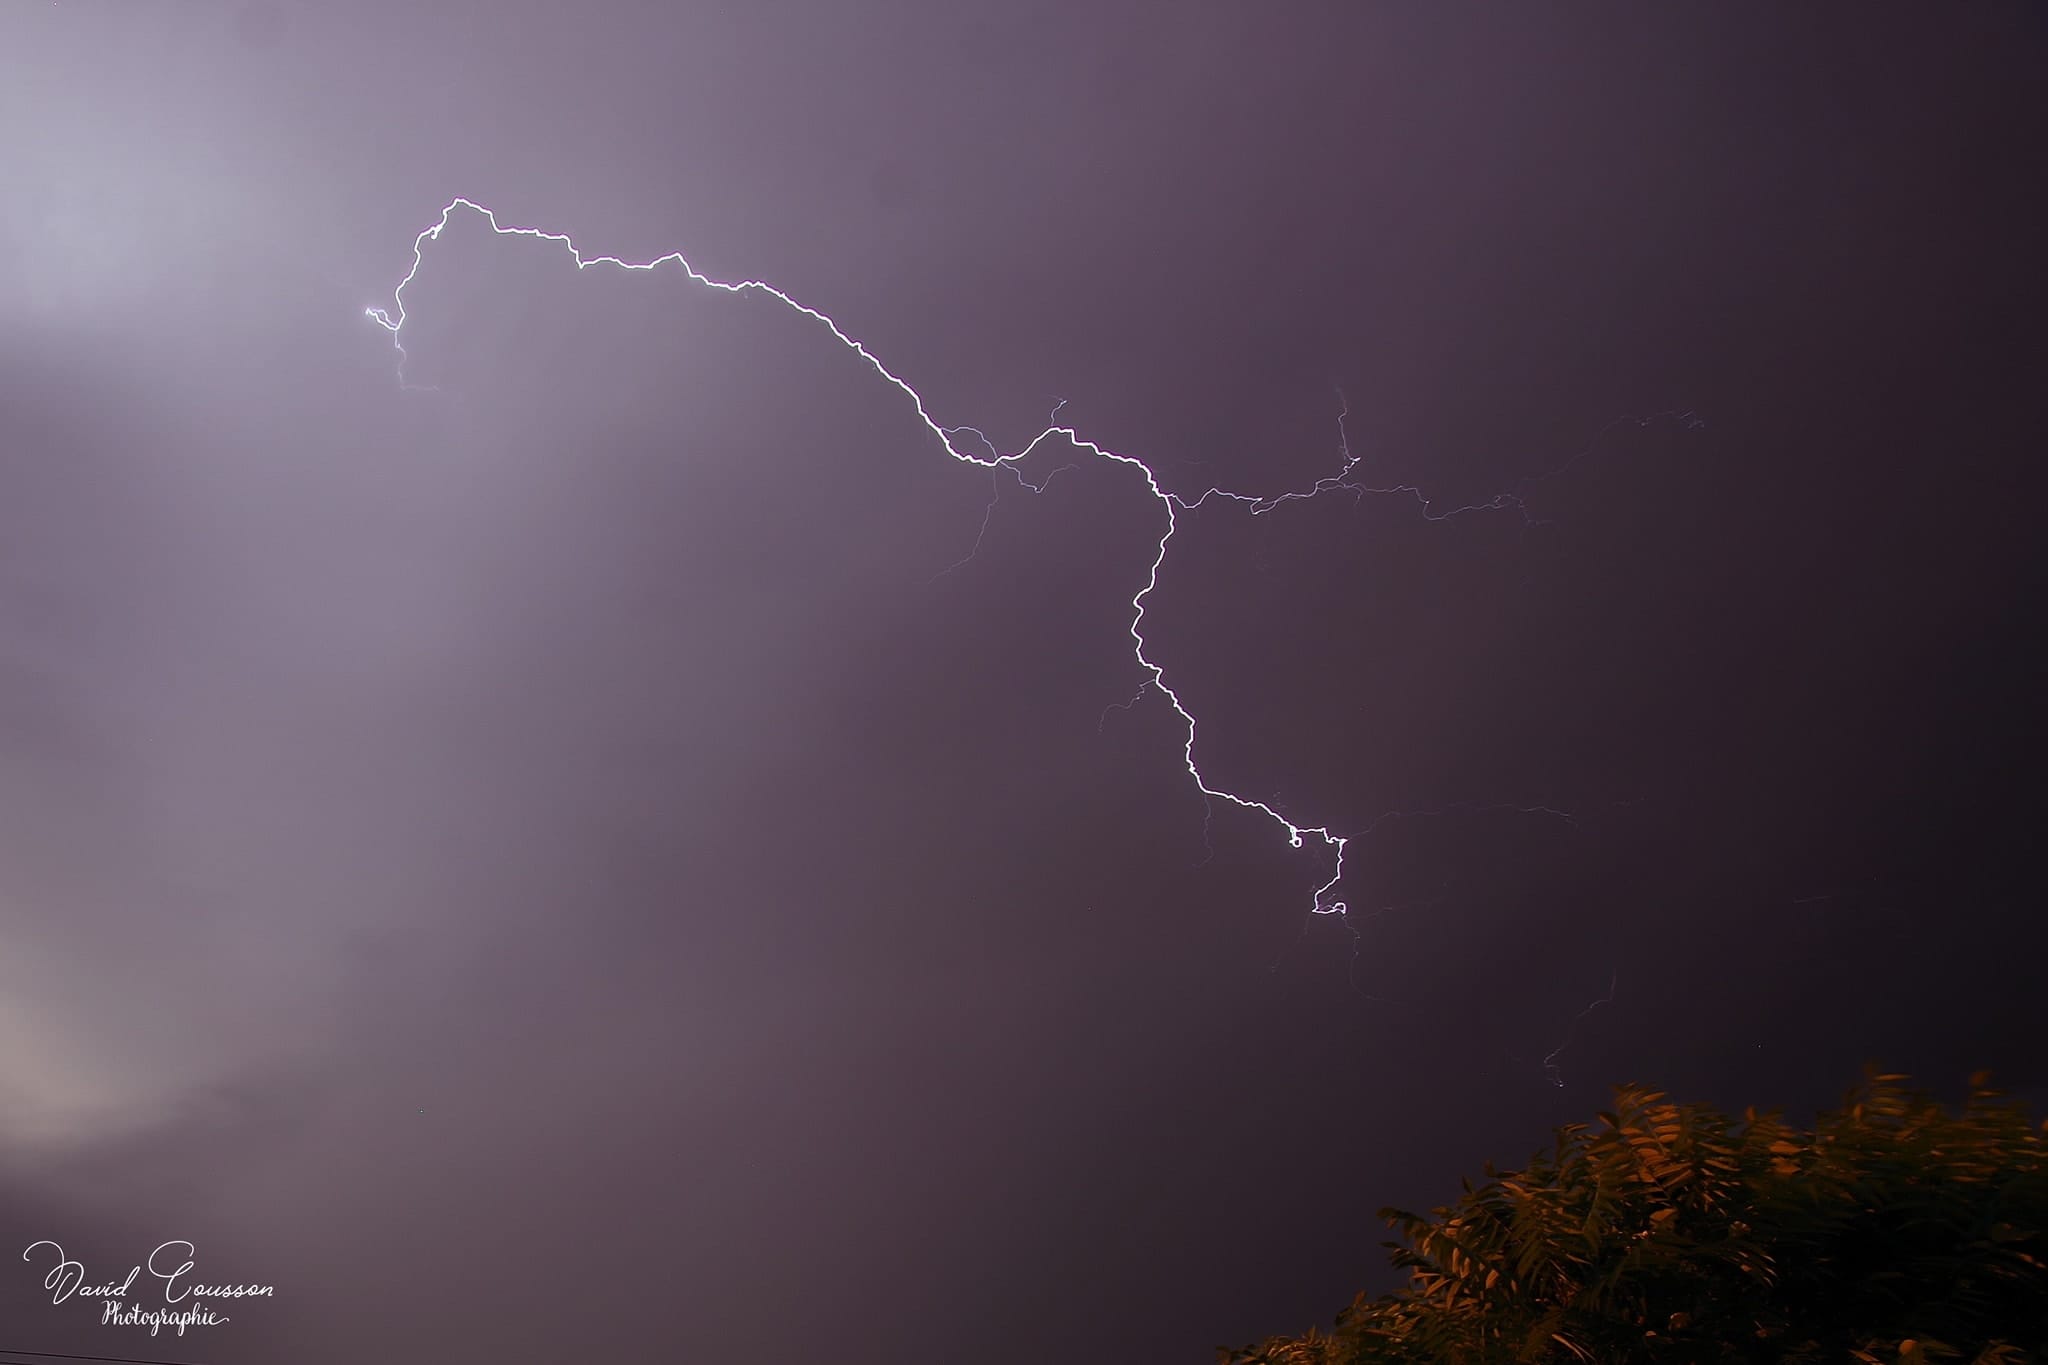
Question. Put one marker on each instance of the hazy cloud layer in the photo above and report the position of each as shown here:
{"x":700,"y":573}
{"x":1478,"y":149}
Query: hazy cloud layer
{"x":575,"y":863}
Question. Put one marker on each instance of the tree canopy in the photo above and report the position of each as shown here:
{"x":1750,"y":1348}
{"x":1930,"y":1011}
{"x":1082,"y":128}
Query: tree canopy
{"x":1892,"y":1231}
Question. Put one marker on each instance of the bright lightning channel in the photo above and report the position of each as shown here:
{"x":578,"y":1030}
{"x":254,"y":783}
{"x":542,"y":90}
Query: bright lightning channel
{"x":1297,"y":835}
{"x":1325,"y":901}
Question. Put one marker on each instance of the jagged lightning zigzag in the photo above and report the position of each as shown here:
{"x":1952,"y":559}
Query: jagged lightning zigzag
{"x":1297,"y":835}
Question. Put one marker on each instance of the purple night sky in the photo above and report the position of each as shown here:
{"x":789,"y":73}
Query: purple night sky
{"x":627,"y":856}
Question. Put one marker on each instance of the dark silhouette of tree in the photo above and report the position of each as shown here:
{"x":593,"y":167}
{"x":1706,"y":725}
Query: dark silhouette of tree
{"x":1894,"y":1231}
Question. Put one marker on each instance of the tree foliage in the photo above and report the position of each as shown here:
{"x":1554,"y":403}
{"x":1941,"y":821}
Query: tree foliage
{"x":1894,"y":1231}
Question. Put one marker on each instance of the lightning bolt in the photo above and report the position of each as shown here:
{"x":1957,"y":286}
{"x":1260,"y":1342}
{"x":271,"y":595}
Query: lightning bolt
{"x":1332,"y":845}
{"x":1550,"y":1067}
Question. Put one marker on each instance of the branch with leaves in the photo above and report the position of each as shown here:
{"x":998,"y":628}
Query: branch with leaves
{"x":1893,"y":1231}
